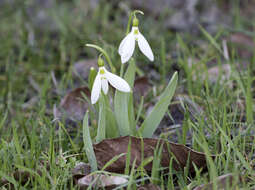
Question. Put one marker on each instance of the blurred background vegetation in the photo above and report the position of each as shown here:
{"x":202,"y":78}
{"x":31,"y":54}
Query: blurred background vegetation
{"x":39,"y":36}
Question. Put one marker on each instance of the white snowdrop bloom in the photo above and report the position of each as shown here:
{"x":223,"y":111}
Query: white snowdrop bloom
{"x":127,"y":45}
{"x":101,"y":82}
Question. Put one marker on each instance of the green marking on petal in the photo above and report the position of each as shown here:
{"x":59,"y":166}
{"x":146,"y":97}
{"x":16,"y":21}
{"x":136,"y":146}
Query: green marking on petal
{"x":136,"y":31}
{"x":102,"y":71}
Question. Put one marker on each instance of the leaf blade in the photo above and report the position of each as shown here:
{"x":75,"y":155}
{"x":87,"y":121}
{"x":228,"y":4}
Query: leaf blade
{"x":151,"y":122}
{"x":88,"y":144}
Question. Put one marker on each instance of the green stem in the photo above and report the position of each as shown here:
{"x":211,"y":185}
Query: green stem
{"x":121,"y":70}
{"x":129,"y":22}
{"x":113,"y":70}
{"x":130,"y":19}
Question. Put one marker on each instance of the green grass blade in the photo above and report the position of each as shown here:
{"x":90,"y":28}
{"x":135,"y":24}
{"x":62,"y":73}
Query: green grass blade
{"x":128,"y":157}
{"x":152,"y":121}
{"x":131,"y":177}
{"x":114,"y":159}
{"x":139,"y":110}
{"x":10,"y":179}
{"x":211,"y":39}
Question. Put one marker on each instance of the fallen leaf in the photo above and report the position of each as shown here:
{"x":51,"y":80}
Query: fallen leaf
{"x":240,"y":38}
{"x":109,"y":148}
{"x":80,"y":170}
{"x":149,"y":186}
{"x":73,"y":106}
{"x":244,"y":45}
{"x":82,"y":68}
{"x":141,"y":87}
{"x":223,"y":182}
{"x":101,"y":181}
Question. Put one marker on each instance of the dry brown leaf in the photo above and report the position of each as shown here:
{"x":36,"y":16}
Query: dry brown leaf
{"x":101,"y":181}
{"x":223,"y":182}
{"x":80,"y":170}
{"x":73,"y":105}
{"x":244,"y":45}
{"x":82,"y":68}
{"x":108,"y":148}
{"x":142,"y":86}
{"x":240,"y":38}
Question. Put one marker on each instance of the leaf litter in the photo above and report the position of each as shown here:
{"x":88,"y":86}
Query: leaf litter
{"x":101,"y":181}
{"x":182,"y":155}
{"x":107,"y":149}
{"x":73,"y":106}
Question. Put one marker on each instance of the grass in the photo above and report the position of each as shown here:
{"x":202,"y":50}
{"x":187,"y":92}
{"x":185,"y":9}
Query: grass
{"x":29,"y":140}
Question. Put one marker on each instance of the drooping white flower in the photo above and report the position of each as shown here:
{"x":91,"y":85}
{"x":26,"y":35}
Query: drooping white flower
{"x":101,"y":82}
{"x":127,"y":45}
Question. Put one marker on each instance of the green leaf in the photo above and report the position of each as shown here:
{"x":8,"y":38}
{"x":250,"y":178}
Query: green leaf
{"x":123,"y":104}
{"x":92,"y":76}
{"x":130,"y":78}
{"x":130,"y":73}
{"x":111,"y":123}
{"x":88,"y":144}
{"x":152,"y":121}
{"x":121,"y":112}
{"x":101,"y":120}
{"x":131,"y":114}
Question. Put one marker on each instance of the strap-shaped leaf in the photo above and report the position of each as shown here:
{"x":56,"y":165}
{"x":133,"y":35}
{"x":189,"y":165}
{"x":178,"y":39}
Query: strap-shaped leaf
{"x":101,"y":120}
{"x":122,"y":109}
{"x":88,"y":143}
{"x":152,"y":121}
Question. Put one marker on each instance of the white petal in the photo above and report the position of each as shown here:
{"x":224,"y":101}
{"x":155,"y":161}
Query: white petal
{"x":123,"y":42}
{"x":145,"y":47}
{"x":104,"y":85}
{"x":117,"y":82}
{"x":96,"y":89}
{"x":127,"y":49}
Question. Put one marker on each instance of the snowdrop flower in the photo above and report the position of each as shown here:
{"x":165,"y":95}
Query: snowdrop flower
{"x":102,"y":79}
{"x":127,"y":45}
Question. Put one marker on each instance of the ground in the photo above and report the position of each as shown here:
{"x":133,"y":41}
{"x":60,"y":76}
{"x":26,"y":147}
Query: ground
{"x":44,"y":65}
